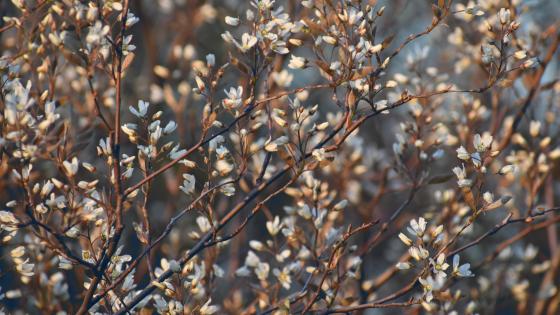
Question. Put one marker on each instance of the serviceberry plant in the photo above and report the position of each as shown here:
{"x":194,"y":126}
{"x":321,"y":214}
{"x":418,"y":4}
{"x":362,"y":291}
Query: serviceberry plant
{"x":279,"y":157}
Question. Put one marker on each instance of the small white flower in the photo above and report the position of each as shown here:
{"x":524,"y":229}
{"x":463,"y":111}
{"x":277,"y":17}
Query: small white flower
{"x":417,"y":227}
{"x":340,"y":205}
{"x":243,"y":271}
{"x":71,"y":168}
{"x":41,"y":208}
{"x":224,"y":167}
{"x":256,"y":245}
{"x":273,"y":146}
{"x":233,"y":21}
{"x":203,"y":224}
{"x":228,"y":38}
{"x":463,"y":270}
{"x":329,"y":40}
{"x":439,"y":265}
{"x":319,"y":154}
{"x":391,"y":84}
{"x":73,"y":232}
{"x":262,"y":270}
{"x":506,"y":169}
{"x":483,"y":143}
{"x":488,"y":197}
{"x":252,"y":260}
{"x":282,"y":78}
{"x":476,"y":159}
{"x":297,"y":62}
{"x":208,"y":309}
{"x":25,"y":268}
{"x":487,"y":54}
{"x":210,"y":60}
{"x":429,"y":285}
{"x":215,"y":142}
{"x":461,"y":174}
{"x":12,"y":294}
{"x":142,"y":109}
{"x":530,"y":63}
{"x":436,"y":232}
{"x":64,"y":263}
{"x":129,"y":130}
{"x":520,"y":54}
{"x":274,"y":226}
{"x":375,"y":48}
{"x":505,"y":16}
{"x":188,"y":184}
{"x":222,"y":152}
{"x":530,"y":252}
{"x":131,"y":19}
{"x":228,"y":189}
{"x":462,"y":153}
{"x":418,"y":253}
{"x":283,"y":255}
{"x":534,"y":127}
{"x":96,"y":34}
{"x":170,"y":127}
{"x":403,"y":265}
{"x":18,"y":252}
{"x":283,"y":277}
{"x":407,"y":241}
{"x":200,"y":85}
{"x":175,"y":153}
{"x":247,"y":42}
{"x":474,"y":10}
{"x":47,"y":188}
{"x":234,"y":98}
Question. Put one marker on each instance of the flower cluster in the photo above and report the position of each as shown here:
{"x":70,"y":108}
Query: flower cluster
{"x":427,"y":252}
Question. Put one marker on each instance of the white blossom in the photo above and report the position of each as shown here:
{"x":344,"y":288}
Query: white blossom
{"x":403,"y":265}
{"x":461,"y":270}
{"x":297,"y":62}
{"x":208,"y":309}
{"x":461,"y":174}
{"x":262,"y":270}
{"x":483,"y":143}
{"x":274,"y":226}
{"x":462,"y":153}
{"x":417,"y":227}
{"x":7,"y":218}
{"x":247,"y":42}
{"x":439,"y":265}
{"x":283,"y":277}
{"x":203,"y":224}
{"x":188,"y":184}
{"x":71,"y":168}
{"x":505,"y":16}
{"x":234,"y":98}
{"x":233,"y":21}
{"x":142,"y":109}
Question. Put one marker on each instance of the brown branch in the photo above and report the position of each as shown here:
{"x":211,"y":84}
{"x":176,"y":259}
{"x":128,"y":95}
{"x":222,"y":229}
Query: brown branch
{"x":361,"y":307}
{"x":203,"y":142}
{"x":532,"y":92}
{"x":507,"y":221}
{"x":147,"y":249}
{"x":108,"y":252}
{"x":201,"y":245}
{"x":330,"y":267}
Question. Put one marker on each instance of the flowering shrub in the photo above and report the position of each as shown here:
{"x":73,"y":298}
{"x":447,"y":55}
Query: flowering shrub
{"x":279,"y":157}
